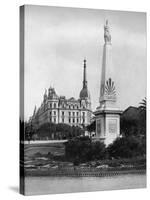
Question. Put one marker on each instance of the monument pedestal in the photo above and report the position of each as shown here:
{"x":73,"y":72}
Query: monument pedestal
{"x":107,"y":125}
{"x":107,"y":114}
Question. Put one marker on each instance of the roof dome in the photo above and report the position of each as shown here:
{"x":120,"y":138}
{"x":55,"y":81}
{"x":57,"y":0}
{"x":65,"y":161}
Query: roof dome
{"x":84,"y":93}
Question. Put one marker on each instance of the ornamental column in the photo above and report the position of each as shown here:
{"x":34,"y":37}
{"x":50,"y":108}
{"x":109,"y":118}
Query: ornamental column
{"x":107,"y":114}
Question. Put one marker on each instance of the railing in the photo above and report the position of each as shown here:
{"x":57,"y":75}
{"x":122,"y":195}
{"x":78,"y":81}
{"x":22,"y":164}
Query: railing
{"x":84,"y":172}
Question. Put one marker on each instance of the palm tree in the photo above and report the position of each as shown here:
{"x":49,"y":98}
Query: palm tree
{"x":143,"y":104}
{"x":142,"y":116}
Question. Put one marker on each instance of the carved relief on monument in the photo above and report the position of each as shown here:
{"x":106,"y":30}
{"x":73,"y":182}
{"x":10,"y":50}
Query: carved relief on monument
{"x":98,"y":124}
{"x":112,"y":126}
{"x":109,"y":90}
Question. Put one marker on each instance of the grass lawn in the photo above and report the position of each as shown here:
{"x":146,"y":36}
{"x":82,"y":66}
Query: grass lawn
{"x":53,"y":148}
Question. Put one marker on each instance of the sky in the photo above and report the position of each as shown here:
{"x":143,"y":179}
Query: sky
{"x":58,"y":39}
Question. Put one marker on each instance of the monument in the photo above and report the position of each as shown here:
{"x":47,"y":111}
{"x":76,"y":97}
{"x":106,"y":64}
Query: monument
{"x":107,"y":114}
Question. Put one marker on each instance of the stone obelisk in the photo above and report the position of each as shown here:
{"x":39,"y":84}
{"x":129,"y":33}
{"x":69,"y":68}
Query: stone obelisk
{"x":107,"y":114}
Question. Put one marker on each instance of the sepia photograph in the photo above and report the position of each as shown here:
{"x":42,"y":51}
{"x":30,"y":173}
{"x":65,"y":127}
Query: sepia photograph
{"x":82,"y":100}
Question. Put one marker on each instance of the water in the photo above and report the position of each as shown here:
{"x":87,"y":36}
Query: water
{"x":53,"y":185}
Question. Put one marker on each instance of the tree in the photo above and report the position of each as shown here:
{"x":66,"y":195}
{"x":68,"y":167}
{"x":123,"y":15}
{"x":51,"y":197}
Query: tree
{"x":22,"y":130}
{"x":133,"y":120}
{"x":143,"y":104}
{"x":91,"y":127}
{"x":142,"y":118}
{"x":98,"y":150}
{"x":29,"y":130}
{"x":129,"y":126}
{"x":81,"y":149}
{"x":127,"y":147}
{"x":58,"y":131}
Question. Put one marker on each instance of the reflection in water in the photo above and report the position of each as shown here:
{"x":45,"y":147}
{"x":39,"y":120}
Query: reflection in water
{"x":52,"y":185}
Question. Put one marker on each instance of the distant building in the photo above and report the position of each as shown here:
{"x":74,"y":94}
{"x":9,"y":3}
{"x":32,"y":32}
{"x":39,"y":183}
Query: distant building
{"x":58,"y":109}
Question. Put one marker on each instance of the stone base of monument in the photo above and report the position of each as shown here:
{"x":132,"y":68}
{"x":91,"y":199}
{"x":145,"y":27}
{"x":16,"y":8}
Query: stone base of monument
{"x":106,"y":140}
{"x":107,"y":125}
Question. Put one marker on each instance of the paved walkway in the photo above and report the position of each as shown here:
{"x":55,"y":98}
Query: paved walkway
{"x":44,"y":141}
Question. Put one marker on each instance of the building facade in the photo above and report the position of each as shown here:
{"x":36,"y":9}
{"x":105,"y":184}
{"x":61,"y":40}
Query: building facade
{"x":58,"y":109}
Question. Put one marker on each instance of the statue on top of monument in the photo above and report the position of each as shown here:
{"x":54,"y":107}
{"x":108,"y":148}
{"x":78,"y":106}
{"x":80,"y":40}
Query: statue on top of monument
{"x":107,"y":36}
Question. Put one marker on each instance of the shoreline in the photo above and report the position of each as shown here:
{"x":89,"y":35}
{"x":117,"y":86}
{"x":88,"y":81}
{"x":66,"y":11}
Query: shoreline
{"x":82,"y":173}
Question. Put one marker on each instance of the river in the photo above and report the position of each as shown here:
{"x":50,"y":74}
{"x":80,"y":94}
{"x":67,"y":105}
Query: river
{"x":53,"y":185}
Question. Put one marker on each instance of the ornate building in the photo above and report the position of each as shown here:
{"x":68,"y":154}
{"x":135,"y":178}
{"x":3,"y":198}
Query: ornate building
{"x":58,"y":109}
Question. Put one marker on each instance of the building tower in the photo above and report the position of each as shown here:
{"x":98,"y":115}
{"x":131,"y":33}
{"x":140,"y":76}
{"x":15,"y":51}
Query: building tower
{"x":107,"y":114}
{"x":84,"y":94}
{"x":85,"y":100}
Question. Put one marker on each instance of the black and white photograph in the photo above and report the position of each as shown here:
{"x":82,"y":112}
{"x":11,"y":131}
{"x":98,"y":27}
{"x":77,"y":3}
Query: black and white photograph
{"x":83,"y":99}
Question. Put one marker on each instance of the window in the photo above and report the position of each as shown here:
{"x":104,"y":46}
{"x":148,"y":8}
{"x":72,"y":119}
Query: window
{"x":62,"y":112}
{"x":73,"y":120}
{"x":83,"y":120}
{"x":50,"y":113}
{"x":77,"y":120}
{"x":73,"y":113}
{"x":54,"y":105}
{"x":69,"y":120}
{"x":69,"y":113}
{"x":54,"y":120}
{"x":62,"y":120}
{"x":50,"y":105}
{"x":77,"y":113}
{"x":54,"y":112}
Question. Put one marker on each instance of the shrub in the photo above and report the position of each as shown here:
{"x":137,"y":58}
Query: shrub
{"x":82,"y":149}
{"x":127,"y":147}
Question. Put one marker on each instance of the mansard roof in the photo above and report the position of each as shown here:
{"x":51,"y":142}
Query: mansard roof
{"x":72,"y":99}
{"x":52,"y":94}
